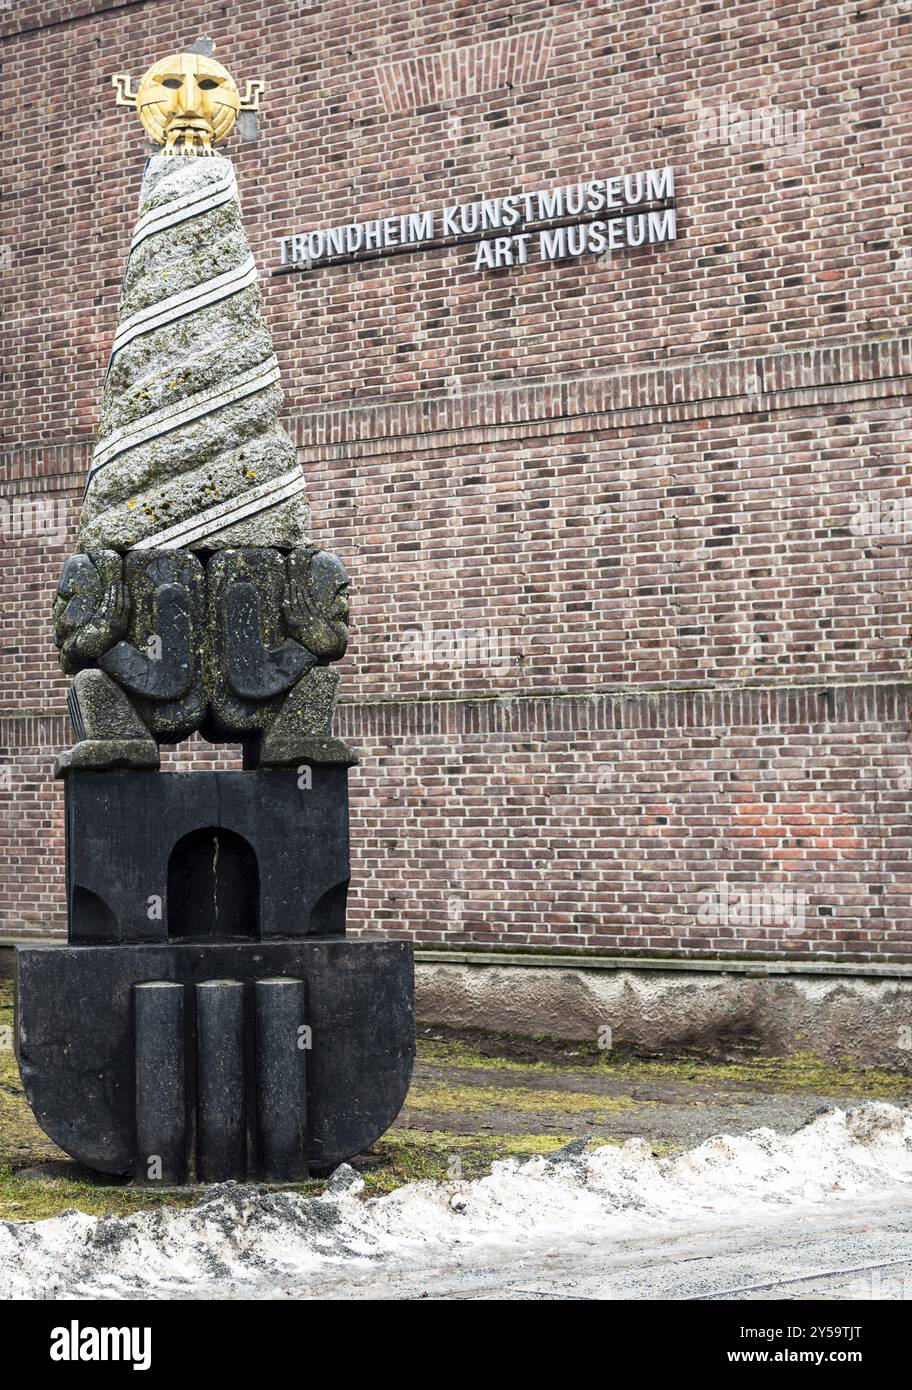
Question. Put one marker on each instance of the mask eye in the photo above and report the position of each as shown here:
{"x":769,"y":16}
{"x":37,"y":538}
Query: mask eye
{"x":208,"y":84}
{"x":172,"y":82}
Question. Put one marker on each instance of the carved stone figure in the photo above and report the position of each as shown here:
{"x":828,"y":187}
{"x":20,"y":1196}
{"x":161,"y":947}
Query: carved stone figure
{"x":207,"y":1018}
{"x":161,"y":645}
{"x":196,"y":601}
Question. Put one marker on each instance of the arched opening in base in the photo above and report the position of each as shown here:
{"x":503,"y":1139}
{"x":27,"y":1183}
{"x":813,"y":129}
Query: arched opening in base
{"x":213,"y":887}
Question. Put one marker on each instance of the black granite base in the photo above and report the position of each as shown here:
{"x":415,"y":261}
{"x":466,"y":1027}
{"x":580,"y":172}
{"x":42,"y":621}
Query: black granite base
{"x":208,"y":1019}
{"x":203,"y":1062}
{"x":171,"y":855}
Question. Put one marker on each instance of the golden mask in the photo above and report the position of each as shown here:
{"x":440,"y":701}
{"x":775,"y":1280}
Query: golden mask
{"x":187,"y":102}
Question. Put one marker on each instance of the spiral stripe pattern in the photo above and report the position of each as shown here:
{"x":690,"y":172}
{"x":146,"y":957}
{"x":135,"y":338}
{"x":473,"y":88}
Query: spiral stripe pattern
{"x":190,"y":445}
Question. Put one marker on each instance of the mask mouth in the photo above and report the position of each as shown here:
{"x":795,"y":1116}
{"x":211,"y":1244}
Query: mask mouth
{"x":188,"y":135}
{"x":193,"y":125}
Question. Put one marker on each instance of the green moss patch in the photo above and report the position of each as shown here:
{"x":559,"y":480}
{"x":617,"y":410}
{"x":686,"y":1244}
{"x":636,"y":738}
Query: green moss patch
{"x":445,"y":1097}
{"x":804,"y":1073}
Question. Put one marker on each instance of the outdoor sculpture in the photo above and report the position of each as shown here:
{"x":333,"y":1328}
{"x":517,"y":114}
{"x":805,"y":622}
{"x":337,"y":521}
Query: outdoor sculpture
{"x":208,"y":1019}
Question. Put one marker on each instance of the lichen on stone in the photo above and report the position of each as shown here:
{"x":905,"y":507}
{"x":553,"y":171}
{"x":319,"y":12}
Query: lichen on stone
{"x":173,"y":383}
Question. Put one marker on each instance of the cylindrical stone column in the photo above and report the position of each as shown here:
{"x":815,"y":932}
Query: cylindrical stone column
{"x":161,"y":1113}
{"x":281,"y":1079}
{"x":221,"y":1125}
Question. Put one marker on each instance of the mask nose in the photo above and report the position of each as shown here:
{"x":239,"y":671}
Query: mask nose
{"x":189,"y":97}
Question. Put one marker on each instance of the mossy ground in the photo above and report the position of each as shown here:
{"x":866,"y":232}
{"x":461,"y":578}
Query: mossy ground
{"x":804,"y":1072}
{"x":476,"y":1099}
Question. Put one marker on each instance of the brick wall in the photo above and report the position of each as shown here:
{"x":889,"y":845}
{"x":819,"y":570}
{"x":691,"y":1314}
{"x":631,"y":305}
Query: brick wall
{"x":631,"y":602}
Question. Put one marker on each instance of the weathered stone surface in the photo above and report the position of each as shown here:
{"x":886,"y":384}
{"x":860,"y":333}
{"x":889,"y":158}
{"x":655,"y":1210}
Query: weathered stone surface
{"x":316,"y":611}
{"x":306,"y":713}
{"x":161,"y":665}
{"x":777,"y":1007}
{"x":108,"y":754}
{"x":272,"y":619}
{"x":190,"y":456}
{"x":316,"y":751}
{"x":252,"y":659}
{"x":100,"y":709}
{"x":91,"y":608}
{"x":108,"y":728}
{"x":238,"y":649}
{"x":190,"y":410}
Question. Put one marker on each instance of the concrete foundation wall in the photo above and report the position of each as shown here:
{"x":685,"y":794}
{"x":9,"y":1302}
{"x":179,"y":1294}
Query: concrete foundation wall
{"x":864,"y":1019}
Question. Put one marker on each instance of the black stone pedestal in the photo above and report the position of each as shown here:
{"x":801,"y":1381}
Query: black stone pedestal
{"x":208,"y":1019}
{"x":173,"y":856}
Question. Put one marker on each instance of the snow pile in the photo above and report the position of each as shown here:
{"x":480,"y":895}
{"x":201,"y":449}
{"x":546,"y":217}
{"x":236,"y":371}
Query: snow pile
{"x":240,"y":1241}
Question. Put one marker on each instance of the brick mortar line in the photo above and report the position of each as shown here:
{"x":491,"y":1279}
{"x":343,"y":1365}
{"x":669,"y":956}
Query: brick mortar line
{"x":562,"y":960}
{"x":609,"y":691}
{"x":764,"y":401}
{"x":769,"y":360}
{"x":538,"y":427}
{"x":646,"y":689}
{"x":772,"y":357}
{"x":64,"y":485}
{"x":543,"y":426}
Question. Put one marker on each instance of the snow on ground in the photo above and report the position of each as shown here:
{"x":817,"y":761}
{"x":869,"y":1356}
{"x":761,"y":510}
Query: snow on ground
{"x":242,"y":1242}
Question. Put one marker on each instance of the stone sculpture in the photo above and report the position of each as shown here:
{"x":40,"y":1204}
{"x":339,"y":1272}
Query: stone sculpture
{"x":207,"y":1019}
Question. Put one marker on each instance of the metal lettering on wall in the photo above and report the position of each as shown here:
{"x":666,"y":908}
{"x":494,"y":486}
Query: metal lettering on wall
{"x":636,"y":210}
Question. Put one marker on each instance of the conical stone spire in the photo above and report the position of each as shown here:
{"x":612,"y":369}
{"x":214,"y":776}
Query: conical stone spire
{"x":190,"y":453}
